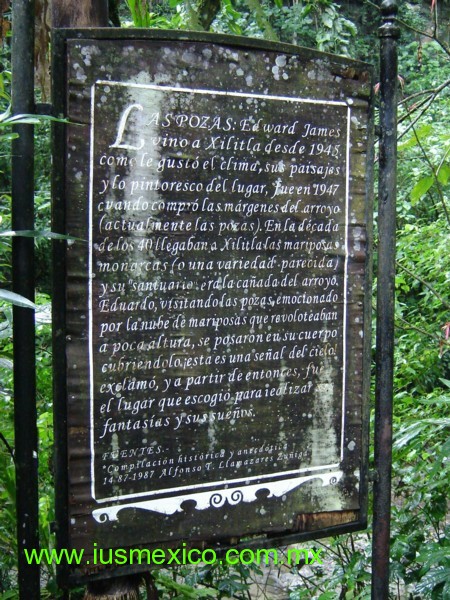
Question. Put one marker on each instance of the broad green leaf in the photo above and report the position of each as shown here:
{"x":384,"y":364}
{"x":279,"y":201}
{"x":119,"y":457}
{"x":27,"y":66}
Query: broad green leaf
{"x":6,"y":363}
{"x":327,"y":21}
{"x":7,"y":137}
{"x":185,"y":590}
{"x":444,"y":174}
{"x":432,"y":554}
{"x":19,"y":120}
{"x":421,"y":188}
{"x":10,"y":595}
{"x":233,"y":17}
{"x":5,"y":115}
{"x":7,"y":121}
{"x":235,"y":28}
{"x":16,"y":299}
{"x":432,"y":579}
{"x":420,"y":134}
{"x":37,"y":233}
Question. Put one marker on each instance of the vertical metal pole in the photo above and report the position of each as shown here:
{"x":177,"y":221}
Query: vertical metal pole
{"x":389,"y":33}
{"x":26,"y":441}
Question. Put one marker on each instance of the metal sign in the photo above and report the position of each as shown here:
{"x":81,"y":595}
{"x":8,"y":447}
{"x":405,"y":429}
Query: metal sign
{"x":213,"y":336}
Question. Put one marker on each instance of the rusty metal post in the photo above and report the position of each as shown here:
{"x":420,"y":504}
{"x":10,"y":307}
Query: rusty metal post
{"x":389,"y":32}
{"x":25,"y":419}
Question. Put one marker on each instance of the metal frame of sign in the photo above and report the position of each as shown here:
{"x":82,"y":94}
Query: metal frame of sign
{"x":306,"y":524}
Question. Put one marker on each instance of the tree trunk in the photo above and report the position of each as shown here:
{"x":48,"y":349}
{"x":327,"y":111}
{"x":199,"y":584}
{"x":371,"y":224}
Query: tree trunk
{"x":80,"y":13}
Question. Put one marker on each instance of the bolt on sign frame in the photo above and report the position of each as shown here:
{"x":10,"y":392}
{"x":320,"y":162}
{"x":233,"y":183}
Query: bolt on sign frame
{"x":212,"y":311}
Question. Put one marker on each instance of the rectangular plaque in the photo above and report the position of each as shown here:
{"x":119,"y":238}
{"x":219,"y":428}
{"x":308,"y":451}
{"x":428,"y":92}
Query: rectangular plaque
{"x":216,"y":314}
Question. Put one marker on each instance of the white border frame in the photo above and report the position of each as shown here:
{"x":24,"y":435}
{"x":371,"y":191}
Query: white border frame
{"x":331,"y":472}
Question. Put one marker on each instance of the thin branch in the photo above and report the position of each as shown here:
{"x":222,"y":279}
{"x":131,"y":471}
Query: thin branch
{"x":434,"y":173}
{"x":425,"y":283}
{"x":372,"y":4}
{"x":427,"y":102}
{"x":434,"y":91}
{"x":408,"y":327}
{"x":430,"y":36}
{"x":327,"y":547}
{"x":416,"y":95}
{"x":442,"y":161}
{"x":8,"y":447}
{"x":415,"y":328}
{"x":422,"y":281}
{"x":419,"y":32}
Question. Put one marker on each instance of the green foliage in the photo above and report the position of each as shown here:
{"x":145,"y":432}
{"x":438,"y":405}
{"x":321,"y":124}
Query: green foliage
{"x":142,"y":16}
{"x":315,"y":23}
{"x":422,"y":310}
{"x":8,"y":547}
{"x":421,"y":544}
{"x":207,"y":581}
{"x":347,"y":574}
{"x":8,"y":544}
{"x":8,"y":535}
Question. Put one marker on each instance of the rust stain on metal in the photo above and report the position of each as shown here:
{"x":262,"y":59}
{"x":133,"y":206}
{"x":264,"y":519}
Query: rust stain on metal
{"x":315,"y":521}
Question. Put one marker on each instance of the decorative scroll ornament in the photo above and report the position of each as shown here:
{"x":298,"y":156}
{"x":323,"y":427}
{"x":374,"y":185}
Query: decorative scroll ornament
{"x":216,"y":498}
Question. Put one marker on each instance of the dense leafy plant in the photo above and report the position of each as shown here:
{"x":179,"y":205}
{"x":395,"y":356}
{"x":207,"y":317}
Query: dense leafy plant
{"x":314,"y":23}
{"x":421,"y":548}
{"x":8,"y":546}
